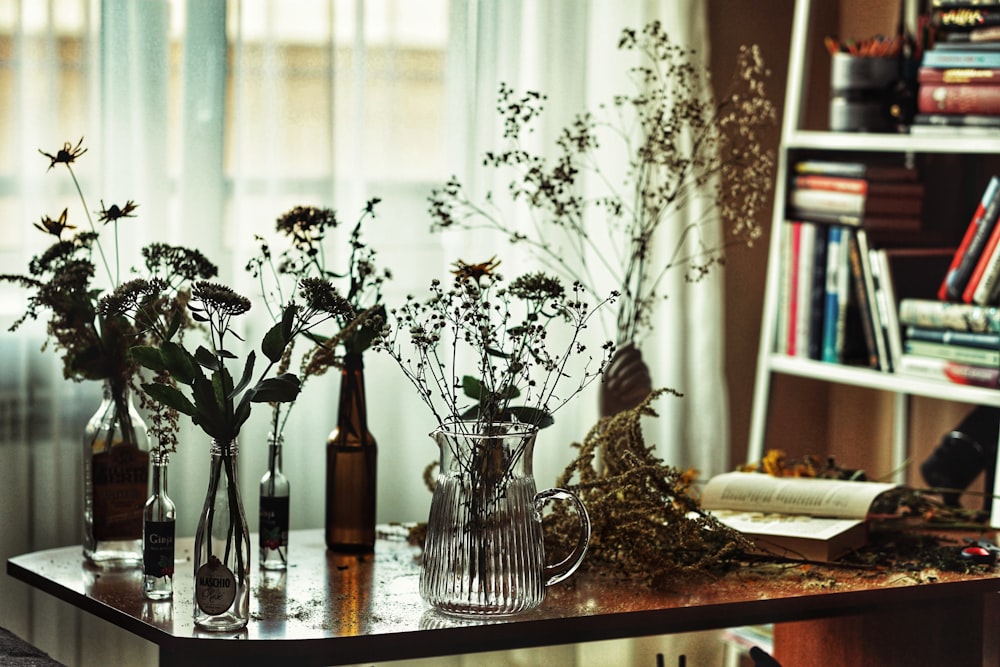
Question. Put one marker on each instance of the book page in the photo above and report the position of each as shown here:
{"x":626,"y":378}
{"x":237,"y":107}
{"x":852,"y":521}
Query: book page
{"x":757,"y":492}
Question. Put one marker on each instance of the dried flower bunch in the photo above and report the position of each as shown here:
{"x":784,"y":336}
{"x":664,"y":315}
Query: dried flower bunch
{"x":304,"y":264}
{"x":508,"y":333}
{"x":647,"y":523}
{"x":94,"y":341}
{"x":684,"y":152}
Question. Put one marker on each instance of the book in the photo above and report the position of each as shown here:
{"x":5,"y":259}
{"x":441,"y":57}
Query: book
{"x":784,"y":289}
{"x":873,"y":223}
{"x":837,"y":284}
{"x":858,"y":186}
{"x":951,"y":352}
{"x":864,"y":289}
{"x":885,"y":301}
{"x":959,"y":98}
{"x":817,"y":294}
{"x":803,"y":290}
{"x":986,"y":271}
{"x":972,"y":243}
{"x":930,"y":368}
{"x":795,"y":236}
{"x":957,"y":59}
{"x":850,"y":203}
{"x":935,"y":314}
{"x":797,"y":517}
{"x":957,"y":120}
{"x":988,"y":341}
{"x":926,"y":75}
{"x":870,"y":171}
{"x":965,"y":18}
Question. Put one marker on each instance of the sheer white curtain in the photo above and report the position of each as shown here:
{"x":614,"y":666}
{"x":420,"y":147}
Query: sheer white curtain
{"x":216,"y":116}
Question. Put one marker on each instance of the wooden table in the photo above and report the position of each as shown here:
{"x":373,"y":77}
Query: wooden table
{"x":331,"y":609}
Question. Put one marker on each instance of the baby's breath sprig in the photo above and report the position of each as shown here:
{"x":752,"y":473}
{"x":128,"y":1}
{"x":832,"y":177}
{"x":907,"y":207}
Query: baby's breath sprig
{"x":520,"y":339}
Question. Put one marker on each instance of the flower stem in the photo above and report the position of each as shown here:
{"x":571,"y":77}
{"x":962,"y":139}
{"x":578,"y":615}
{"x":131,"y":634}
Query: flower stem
{"x":93,"y":228}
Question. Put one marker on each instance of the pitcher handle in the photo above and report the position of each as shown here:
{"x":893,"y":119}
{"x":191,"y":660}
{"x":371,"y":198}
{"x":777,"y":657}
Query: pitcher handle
{"x":561,"y":570}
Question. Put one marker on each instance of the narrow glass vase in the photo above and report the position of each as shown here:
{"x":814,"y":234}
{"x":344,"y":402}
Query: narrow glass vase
{"x":274,"y":501}
{"x":222,"y":548}
{"x":115,"y":480}
{"x":158,"y":529}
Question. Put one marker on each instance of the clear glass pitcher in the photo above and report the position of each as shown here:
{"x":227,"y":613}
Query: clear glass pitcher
{"x":483,"y":554}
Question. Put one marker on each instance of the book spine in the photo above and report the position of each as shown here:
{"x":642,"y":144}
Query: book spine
{"x":966,"y":18}
{"x":953,"y":316}
{"x":849,"y":203}
{"x":949,"y":352}
{"x":959,"y":98}
{"x":803,"y":296}
{"x":855,"y":170}
{"x":963,"y":120}
{"x":951,"y":277}
{"x":793,"y":288}
{"x":861,"y":278}
{"x":957,"y":59}
{"x":818,"y":293}
{"x":858,"y":186}
{"x":987,"y":341}
{"x":979,"y":283}
{"x":937,"y":75}
{"x":949,"y":371}
{"x":885,"y":301}
{"x":831,"y":303}
{"x":784,"y":290}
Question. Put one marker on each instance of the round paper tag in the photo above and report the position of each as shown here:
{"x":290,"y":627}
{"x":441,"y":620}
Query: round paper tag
{"x":215,"y":587}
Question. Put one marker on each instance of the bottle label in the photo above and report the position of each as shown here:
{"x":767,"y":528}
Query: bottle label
{"x":273,"y":522}
{"x":158,"y":548}
{"x":214,"y":587}
{"x":120,"y":478}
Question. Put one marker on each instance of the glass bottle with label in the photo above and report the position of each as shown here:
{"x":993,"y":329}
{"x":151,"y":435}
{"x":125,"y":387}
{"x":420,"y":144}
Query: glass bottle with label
{"x":351,"y":456}
{"x":115,"y":480}
{"x":159,"y":520}
{"x":274,"y":501}
{"x":222,"y":548}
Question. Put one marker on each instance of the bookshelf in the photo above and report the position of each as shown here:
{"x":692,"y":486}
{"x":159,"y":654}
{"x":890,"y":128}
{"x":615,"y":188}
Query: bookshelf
{"x":801,"y":138}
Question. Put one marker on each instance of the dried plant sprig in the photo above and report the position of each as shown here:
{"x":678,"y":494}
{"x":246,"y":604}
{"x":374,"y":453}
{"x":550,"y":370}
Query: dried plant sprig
{"x":510,"y":336}
{"x":647,"y":524}
{"x":682,"y":149}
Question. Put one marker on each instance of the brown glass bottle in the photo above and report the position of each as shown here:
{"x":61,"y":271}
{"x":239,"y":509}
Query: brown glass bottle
{"x":351,"y":457}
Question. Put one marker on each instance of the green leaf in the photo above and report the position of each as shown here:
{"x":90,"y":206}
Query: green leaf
{"x":205,"y":357}
{"x":471,"y":414}
{"x":175,"y":325}
{"x":363,"y":336}
{"x":281,"y":389}
{"x":178,"y":362}
{"x":149,"y":357}
{"x":472,"y":387}
{"x":247,"y":372}
{"x":273,"y":345}
{"x":509,"y":392}
{"x":241,"y":415}
{"x":539,"y":418}
{"x":170,"y":397}
{"x":287,"y":322}
{"x":226,"y":354}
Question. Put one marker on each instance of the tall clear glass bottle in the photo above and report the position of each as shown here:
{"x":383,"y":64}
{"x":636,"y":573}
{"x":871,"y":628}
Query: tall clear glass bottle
{"x":159,"y":521}
{"x":351,"y":457}
{"x":115,"y":480}
{"x":222,"y":548}
{"x":274,"y":514}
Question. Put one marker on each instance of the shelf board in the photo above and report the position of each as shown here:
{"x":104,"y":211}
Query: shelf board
{"x":892,"y":143}
{"x":892,"y":382}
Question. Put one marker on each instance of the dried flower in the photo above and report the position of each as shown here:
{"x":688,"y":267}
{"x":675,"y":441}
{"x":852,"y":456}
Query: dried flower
{"x":680,"y":146}
{"x":504,"y":335}
{"x":113,"y":213}
{"x":65,"y":155}
{"x":55,"y":227}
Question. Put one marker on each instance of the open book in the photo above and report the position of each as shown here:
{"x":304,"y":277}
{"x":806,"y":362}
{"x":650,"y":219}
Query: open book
{"x":796,"y":517}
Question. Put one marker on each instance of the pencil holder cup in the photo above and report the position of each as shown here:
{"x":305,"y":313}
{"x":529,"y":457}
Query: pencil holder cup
{"x":861,"y":92}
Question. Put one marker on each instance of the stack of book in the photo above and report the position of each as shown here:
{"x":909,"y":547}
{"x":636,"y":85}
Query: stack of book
{"x":973,"y":275}
{"x":959,"y":76}
{"x":955,"y":342}
{"x":877,"y":197}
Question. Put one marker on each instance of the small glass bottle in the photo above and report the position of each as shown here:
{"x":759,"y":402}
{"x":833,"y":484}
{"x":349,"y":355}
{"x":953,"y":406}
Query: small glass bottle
{"x":274,"y":513}
{"x":351,"y":456}
{"x":158,"y":522}
{"x":222,"y":548}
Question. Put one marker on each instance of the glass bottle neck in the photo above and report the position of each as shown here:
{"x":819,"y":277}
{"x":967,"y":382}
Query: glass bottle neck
{"x":230,"y":448}
{"x":159,"y":477}
{"x":352,"y":415}
{"x":274,"y":454}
